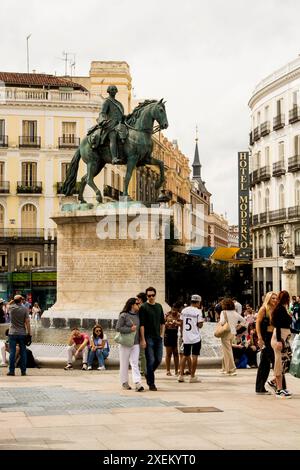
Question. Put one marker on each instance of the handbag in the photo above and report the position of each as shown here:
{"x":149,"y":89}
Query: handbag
{"x":221,"y":330}
{"x":125,"y":339}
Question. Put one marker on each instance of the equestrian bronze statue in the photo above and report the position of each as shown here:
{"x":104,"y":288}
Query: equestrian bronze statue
{"x":119,"y":140}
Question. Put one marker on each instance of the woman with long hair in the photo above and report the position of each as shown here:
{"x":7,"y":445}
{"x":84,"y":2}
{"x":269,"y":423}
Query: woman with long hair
{"x":264,"y":330}
{"x":97,"y":342}
{"x":128,"y":322}
{"x":281,"y":320}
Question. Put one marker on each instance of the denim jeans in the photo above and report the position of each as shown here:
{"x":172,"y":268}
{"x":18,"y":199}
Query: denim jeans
{"x":100,"y":354}
{"x":153,"y":352}
{"x":13,"y":341}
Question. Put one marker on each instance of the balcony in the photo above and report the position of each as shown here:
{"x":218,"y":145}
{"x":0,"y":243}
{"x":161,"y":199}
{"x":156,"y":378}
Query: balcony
{"x":111,"y":192}
{"x":294,"y":163}
{"x":255,"y":219}
{"x":3,"y":141}
{"x":261,"y":253}
{"x":294,"y":114}
{"x":4,"y":187}
{"x":278,"y":122}
{"x":29,"y":141}
{"x":251,"y":141}
{"x":278,"y":168}
{"x":263,"y":218}
{"x":29,"y":187}
{"x":68,"y":141}
{"x":24,"y":233}
{"x":265,"y":173}
{"x":269,"y":252}
{"x":265,"y":128}
{"x":294,"y":212}
{"x":59,"y":186}
{"x":278,"y":215}
{"x":256,"y":134}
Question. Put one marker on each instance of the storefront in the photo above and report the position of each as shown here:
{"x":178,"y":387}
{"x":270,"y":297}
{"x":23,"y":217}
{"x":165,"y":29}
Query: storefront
{"x":35,"y":286}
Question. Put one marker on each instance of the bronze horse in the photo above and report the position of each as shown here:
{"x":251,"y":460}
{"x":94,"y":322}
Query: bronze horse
{"x":137,"y":150}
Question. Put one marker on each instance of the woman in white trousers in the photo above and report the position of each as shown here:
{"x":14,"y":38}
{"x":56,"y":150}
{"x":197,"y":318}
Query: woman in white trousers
{"x":129,"y":322}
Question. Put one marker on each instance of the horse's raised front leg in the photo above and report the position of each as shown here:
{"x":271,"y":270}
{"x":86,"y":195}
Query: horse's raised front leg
{"x":160,"y":164}
{"x":131,"y":164}
{"x":81,"y":189}
{"x":93,"y":169}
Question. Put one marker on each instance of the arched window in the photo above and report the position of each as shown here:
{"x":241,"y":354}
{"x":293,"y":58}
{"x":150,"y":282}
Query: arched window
{"x":297,"y":193}
{"x":281,"y":197}
{"x":259,"y":203}
{"x":267,"y":200}
{"x":1,"y":216}
{"x":29,"y":217}
{"x":268,"y":244}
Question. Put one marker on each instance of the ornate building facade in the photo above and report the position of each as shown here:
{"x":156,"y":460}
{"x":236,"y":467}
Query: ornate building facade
{"x":275,"y":174}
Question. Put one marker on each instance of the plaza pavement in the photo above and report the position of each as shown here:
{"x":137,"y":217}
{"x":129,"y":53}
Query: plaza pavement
{"x":57,"y":409}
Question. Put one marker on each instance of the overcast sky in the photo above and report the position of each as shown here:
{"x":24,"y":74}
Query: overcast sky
{"x":203,"y":57}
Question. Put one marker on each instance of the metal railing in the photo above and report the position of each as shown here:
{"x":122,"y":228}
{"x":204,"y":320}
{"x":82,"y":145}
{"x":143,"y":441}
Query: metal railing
{"x":278,"y":168}
{"x":279,"y":214}
{"x":294,"y":212}
{"x":21,"y":233}
{"x":4,"y":187}
{"x":263,"y":218}
{"x":29,"y":141}
{"x":294,"y":163}
{"x":68,"y":141}
{"x":294,"y":114}
{"x":265,"y":128}
{"x":251,"y":141}
{"x":278,"y":122}
{"x":3,"y":141}
{"x":29,"y":187}
{"x":256,"y":133}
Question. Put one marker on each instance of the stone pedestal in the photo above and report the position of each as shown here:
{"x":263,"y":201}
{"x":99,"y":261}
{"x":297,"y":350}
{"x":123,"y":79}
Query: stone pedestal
{"x":104,"y":256}
{"x":289,"y":276}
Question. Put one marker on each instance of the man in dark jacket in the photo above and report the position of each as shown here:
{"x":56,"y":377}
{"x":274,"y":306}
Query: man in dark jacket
{"x":19,"y":333}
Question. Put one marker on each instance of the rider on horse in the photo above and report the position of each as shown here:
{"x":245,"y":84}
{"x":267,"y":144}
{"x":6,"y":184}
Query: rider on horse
{"x":110,"y":123}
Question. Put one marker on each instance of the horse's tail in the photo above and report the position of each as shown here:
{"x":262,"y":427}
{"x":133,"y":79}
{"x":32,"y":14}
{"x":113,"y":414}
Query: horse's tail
{"x":70,"y":181}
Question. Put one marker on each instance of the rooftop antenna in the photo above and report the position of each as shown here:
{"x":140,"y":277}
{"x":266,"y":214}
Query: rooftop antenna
{"x":27,"y":44}
{"x":72,"y":65}
{"x":65,"y":59}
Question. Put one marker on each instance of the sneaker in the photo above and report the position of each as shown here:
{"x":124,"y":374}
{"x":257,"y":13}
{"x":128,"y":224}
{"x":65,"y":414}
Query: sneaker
{"x":231,"y":373}
{"x":101,"y":368}
{"x":139,"y":387}
{"x":84,"y":366}
{"x":248,"y":367}
{"x":68,"y":367}
{"x":287,"y":392}
{"x":194,"y":380}
{"x":272,"y":385}
{"x":89,"y":368}
{"x":180,"y":378}
{"x":2,"y":364}
{"x":283,"y":394}
{"x":10,"y":373}
{"x":264,"y":392}
{"x":126,"y":386}
{"x":222,"y":371}
{"x":152,"y":388}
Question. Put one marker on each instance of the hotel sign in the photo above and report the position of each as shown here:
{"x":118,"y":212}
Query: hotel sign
{"x":244,"y":206}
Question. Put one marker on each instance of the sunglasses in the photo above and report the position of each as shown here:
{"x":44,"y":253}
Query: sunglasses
{"x":97,"y":331}
{"x":151,"y":295}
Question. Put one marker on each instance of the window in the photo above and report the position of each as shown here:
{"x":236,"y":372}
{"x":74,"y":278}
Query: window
{"x":29,"y":217}
{"x":269,"y":240}
{"x":297,"y":145}
{"x":29,"y":173}
{"x":297,"y":238}
{"x":1,"y":216}
{"x":279,"y":106}
{"x":259,"y":203}
{"x":258,"y":160}
{"x":267,"y":156}
{"x":2,"y":127}
{"x":281,"y":197}
{"x":64,"y":168}
{"x":69,"y":132}
{"x":266,"y":113}
{"x":281,"y":151}
{"x":258,"y":118}
{"x":295,"y":98}
{"x":28,"y":258}
{"x":29,"y":130}
{"x":2,"y":168}
{"x":3,"y":259}
{"x":267,"y":200}
{"x":297,"y":193}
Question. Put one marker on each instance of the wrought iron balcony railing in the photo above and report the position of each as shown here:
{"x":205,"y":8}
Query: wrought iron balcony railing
{"x":294,"y":212}
{"x":30,"y":141}
{"x":278,"y":215}
{"x":251,"y":141}
{"x":68,"y":141}
{"x":3,"y":141}
{"x":278,"y":168}
{"x":294,"y":163}
{"x":294,"y":114}
{"x":278,"y":122}
{"x":29,"y":187}
{"x":4,"y":187}
{"x":21,"y":233}
{"x":256,"y":133}
{"x":265,"y":128}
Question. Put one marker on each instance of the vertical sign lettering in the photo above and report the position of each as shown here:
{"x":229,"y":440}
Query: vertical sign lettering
{"x":244,"y":232}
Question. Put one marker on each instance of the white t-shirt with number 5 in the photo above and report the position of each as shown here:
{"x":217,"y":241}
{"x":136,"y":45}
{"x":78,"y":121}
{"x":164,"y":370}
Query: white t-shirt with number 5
{"x":190,"y":316}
